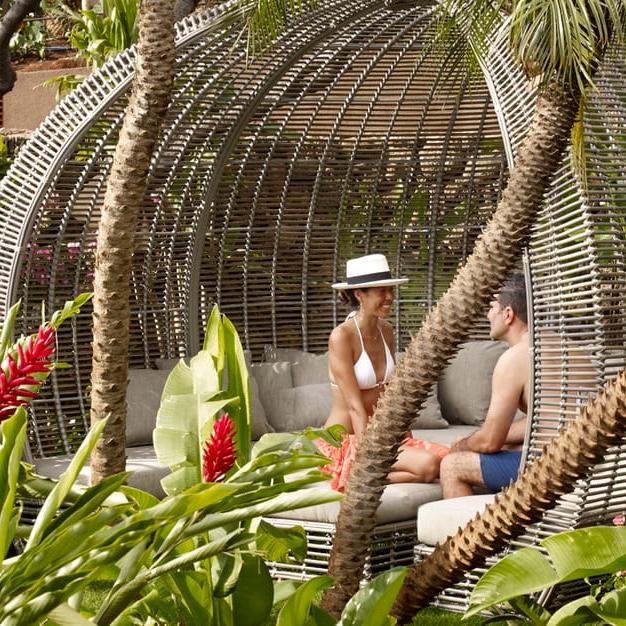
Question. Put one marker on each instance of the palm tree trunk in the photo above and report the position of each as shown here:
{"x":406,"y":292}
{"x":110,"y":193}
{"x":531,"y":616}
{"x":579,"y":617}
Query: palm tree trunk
{"x":568,"y":457}
{"x":123,"y":197}
{"x":496,"y":252}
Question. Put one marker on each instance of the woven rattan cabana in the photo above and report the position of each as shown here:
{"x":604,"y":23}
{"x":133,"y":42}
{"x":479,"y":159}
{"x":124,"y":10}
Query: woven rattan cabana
{"x":350,"y":135}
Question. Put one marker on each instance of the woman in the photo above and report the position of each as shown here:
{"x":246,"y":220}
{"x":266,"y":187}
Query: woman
{"x":361,"y":358}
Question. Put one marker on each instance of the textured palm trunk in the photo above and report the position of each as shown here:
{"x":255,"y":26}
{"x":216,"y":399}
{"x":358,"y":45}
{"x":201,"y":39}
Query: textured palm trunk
{"x":601,"y":424}
{"x":124,"y":195}
{"x":496,"y":253}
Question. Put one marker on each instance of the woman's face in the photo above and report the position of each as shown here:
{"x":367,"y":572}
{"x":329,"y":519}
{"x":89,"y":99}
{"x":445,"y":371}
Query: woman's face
{"x":376,"y":300}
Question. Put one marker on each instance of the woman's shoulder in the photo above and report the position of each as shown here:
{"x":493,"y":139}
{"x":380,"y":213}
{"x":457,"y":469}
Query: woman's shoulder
{"x":342,"y":333}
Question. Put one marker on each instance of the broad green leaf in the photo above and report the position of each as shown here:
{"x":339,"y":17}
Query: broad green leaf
{"x":283,"y":502}
{"x":141,"y":498}
{"x":612,"y":607}
{"x":70,"y":308}
{"x":214,"y":339}
{"x":283,"y":589}
{"x":372,"y":604}
{"x":521,"y":573}
{"x":179,"y":381}
{"x":179,"y":480}
{"x":587,"y":551}
{"x":205,"y":377}
{"x":6,"y":334}
{"x":575,"y":613}
{"x":281,"y":544}
{"x":176,"y":447}
{"x":227,"y":568}
{"x":88,"y":502}
{"x":62,"y":488}
{"x":238,"y":387}
{"x":253,"y":596}
{"x":13,"y":433}
{"x":64,"y":615}
{"x":297,"y":608}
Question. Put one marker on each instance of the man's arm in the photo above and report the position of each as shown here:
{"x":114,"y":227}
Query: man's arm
{"x":506,"y":389}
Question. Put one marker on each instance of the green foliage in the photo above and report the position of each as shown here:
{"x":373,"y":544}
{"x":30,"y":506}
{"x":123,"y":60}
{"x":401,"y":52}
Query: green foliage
{"x":30,"y":38}
{"x":560,"y":40}
{"x":193,"y":397}
{"x":98,"y":35}
{"x":582,"y":553}
{"x":64,"y":83}
{"x":5,"y":159}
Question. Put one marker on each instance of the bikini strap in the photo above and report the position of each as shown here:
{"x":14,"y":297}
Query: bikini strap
{"x":358,"y":330}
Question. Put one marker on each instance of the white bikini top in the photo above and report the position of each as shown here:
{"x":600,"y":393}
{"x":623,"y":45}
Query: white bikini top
{"x":364,"y":369}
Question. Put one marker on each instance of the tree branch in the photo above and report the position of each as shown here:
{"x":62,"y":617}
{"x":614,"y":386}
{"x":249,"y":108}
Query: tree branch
{"x":8,"y":25}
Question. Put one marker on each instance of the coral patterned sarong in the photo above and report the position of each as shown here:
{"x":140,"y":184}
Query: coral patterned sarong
{"x":342,"y":457}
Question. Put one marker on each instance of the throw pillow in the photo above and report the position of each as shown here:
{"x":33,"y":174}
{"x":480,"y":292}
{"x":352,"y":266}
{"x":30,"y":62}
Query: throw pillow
{"x":144,"y":398}
{"x":430,"y":416}
{"x":300,"y":407}
{"x":307,"y":368}
{"x":271,"y":379}
{"x":465,"y":388}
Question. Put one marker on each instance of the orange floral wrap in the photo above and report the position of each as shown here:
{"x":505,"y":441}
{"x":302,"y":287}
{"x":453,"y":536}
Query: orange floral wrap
{"x":342,"y":457}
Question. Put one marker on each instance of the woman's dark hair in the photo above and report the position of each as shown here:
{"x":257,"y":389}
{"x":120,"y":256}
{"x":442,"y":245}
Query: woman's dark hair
{"x":348,"y":297}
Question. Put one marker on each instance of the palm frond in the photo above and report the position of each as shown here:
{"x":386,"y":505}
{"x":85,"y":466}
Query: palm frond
{"x":579,"y":152}
{"x":561,"y":39}
{"x":270,"y":18}
{"x":463,"y":32}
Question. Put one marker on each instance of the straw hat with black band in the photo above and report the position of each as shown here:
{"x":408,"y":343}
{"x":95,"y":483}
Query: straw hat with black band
{"x":371,"y":270}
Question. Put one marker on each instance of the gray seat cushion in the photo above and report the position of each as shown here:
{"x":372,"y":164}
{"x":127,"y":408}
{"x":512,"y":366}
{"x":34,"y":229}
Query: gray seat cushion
{"x":436,"y":521}
{"x":147,"y":472}
{"x":399,"y":502}
{"x":444,"y":436}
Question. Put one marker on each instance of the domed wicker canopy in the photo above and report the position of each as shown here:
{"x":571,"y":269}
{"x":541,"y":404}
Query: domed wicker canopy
{"x":355,"y":133}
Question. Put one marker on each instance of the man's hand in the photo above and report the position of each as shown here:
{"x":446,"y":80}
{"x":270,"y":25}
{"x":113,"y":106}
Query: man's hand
{"x":461,"y":444}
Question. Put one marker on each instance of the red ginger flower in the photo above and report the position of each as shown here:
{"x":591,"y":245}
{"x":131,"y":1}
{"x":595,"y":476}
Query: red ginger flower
{"x":18,"y":375}
{"x":219,"y":451}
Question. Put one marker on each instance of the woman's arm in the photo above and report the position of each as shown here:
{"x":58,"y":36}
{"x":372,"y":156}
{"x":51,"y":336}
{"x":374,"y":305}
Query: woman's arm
{"x":340,"y":361}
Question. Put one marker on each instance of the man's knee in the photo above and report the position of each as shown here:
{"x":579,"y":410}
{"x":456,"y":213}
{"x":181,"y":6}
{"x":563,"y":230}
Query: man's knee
{"x":464,"y":466}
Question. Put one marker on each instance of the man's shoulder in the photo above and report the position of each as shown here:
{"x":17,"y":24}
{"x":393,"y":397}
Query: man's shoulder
{"x":514,"y":355}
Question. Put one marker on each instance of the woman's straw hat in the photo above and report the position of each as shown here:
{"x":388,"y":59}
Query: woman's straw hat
{"x":368,"y":271}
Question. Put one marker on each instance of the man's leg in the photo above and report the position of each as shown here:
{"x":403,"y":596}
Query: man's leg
{"x":459,"y":472}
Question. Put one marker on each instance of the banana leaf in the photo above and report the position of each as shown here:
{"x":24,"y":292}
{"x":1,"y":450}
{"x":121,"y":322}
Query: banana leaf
{"x":572,"y":555}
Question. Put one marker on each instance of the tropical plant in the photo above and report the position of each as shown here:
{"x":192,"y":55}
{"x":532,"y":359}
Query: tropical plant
{"x":192,"y":399}
{"x":97,"y":35}
{"x":29,"y":39}
{"x":568,"y":556}
{"x":559,"y":44}
{"x":194,"y":553}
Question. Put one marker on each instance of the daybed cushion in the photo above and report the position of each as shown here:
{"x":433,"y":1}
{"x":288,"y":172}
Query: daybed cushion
{"x":399,"y":502}
{"x":436,"y":521}
{"x":144,"y":398}
{"x":444,"y":436}
{"x":141,"y":460}
{"x":464,"y":390}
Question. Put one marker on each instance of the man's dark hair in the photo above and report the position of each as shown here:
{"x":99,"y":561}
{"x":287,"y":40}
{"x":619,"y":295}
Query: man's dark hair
{"x":513,"y":294}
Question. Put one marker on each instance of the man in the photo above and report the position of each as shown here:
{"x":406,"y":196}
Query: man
{"x":490,"y":457}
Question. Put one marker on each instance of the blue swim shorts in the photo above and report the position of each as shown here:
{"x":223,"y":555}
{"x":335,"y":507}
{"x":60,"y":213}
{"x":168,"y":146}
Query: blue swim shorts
{"x":500,"y":468}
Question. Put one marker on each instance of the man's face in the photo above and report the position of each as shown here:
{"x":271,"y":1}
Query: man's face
{"x":497,"y":324}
